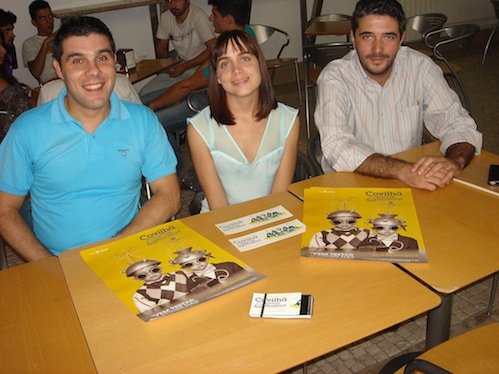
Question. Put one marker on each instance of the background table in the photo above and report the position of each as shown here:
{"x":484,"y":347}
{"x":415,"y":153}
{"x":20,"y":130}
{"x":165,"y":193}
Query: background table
{"x":146,"y":68}
{"x":353,"y":300}
{"x":38,"y":324}
{"x":329,"y":28}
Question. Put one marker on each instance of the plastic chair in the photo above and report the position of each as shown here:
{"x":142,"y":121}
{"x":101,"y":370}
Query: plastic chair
{"x":316,"y":57}
{"x":266,"y":33}
{"x":472,"y":352}
{"x":439,"y":41}
{"x":314,"y":152}
{"x":491,"y":37}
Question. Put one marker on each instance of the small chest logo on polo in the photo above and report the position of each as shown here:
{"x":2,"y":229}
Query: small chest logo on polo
{"x":123,"y":152}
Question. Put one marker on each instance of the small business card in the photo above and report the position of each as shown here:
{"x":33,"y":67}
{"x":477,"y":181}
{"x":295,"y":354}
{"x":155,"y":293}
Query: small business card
{"x":254,"y":220}
{"x":268,"y":236}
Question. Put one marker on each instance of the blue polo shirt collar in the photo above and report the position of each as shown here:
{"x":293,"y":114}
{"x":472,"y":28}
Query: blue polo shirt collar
{"x":59,"y":114}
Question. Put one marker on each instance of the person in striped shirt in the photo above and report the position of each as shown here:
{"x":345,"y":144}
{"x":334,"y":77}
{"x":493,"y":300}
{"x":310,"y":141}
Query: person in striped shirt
{"x":375,"y":101}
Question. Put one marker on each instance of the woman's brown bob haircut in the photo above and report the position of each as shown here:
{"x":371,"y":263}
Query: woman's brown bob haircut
{"x":216,"y":94}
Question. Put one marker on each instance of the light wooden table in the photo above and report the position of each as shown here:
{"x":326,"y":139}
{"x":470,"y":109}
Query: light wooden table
{"x":147,"y":68}
{"x":353,"y":300}
{"x":39,"y":329}
{"x":459,"y":226}
{"x":329,"y":28}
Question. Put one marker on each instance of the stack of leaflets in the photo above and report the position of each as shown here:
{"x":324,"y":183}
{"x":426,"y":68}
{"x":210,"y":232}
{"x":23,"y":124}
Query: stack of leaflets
{"x":281,"y":305}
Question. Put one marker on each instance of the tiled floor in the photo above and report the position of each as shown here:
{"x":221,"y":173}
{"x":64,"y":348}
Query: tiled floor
{"x":367,"y":357}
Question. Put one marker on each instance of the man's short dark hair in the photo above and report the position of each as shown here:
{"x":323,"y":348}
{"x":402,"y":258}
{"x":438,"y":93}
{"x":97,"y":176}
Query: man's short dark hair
{"x":238,"y":9}
{"x":7,"y":18}
{"x":37,"y":5}
{"x":80,"y":26}
{"x":391,"y":8}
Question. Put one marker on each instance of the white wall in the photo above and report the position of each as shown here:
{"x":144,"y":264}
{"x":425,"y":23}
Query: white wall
{"x":131,"y":27}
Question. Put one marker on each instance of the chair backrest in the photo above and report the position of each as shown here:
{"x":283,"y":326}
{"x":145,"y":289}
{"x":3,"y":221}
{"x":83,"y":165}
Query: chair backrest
{"x":264,"y":33}
{"x":314,"y":152}
{"x":496,"y":7}
{"x":5,"y":119}
{"x":4,"y":264}
{"x":423,"y":23}
{"x":304,"y":169}
{"x":322,"y":54}
{"x":461,"y":35}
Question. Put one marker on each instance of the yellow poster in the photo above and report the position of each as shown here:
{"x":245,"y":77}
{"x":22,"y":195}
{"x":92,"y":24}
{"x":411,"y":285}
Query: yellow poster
{"x":167,"y":269}
{"x":376,"y":224}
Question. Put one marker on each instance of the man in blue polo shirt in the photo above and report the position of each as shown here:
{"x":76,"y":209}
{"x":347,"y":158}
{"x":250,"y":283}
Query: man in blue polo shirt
{"x":82,"y":156}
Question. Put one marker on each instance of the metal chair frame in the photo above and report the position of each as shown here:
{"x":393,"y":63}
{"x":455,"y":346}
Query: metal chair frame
{"x":462,"y":35}
{"x":314,"y":151}
{"x":491,"y":37}
{"x":263,"y":33}
{"x":316,"y":57}
{"x":424,"y":23}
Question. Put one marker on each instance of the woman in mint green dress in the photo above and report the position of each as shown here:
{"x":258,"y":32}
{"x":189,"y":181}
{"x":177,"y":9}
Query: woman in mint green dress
{"x":244,"y":144}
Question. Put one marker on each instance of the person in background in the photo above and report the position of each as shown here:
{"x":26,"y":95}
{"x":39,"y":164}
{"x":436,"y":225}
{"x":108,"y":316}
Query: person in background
{"x":13,"y":96}
{"x":82,"y":156}
{"x":244,"y":144}
{"x":191,"y":34}
{"x":374,"y":102}
{"x":172,"y":107}
{"x":38,"y":49}
{"x":7,"y":21}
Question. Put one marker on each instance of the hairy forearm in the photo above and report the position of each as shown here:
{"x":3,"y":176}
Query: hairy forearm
{"x":20,"y":237}
{"x":380,"y":166}
{"x":460,"y":153}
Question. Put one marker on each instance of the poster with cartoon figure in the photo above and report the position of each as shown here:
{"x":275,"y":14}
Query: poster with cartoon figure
{"x":167,"y":269}
{"x":376,"y":224}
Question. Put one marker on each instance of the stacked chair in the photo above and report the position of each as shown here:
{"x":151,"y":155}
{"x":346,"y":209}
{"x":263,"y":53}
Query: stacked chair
{"x":491,"y":37}
{"x":265,"y":34}
{"x":317,"y":56}
{"x":442,"y":42}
